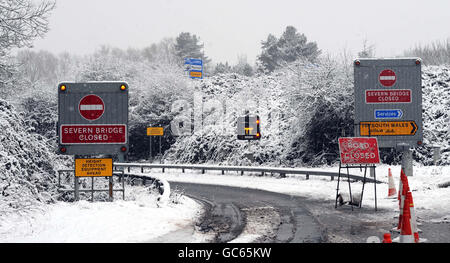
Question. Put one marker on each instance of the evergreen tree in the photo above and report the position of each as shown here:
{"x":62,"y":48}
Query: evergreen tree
{"x":288,"y":48}
{"x":368,"y":50}
{"x":188,"y":46}
{"x":222,"y":68}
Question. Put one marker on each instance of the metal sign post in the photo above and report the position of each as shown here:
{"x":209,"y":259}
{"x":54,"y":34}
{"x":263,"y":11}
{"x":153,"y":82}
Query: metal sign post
{"x":93,"y":167}
{"x":93,"y":121}
{"x":151,"y":132}
{"x":388,"y":103}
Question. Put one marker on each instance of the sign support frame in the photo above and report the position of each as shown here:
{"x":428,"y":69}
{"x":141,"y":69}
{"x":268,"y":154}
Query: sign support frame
{"x":110,"y":181}
{"x":348,"y":167}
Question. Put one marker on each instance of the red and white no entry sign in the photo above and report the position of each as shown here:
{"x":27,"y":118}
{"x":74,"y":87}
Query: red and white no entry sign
{"x":387,"y":77}
{"x":91,"y":107}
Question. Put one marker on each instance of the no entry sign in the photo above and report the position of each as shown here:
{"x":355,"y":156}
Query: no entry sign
{"x":387,"y":77}
{"x":91,"y":107}
{"x":359,"y":150}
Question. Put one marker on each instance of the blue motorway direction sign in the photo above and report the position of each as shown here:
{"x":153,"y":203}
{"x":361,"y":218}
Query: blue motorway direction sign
{"x":195,"y":67}
{"x":388,"y":114}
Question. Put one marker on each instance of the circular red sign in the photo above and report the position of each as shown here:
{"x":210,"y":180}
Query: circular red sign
{"x":91,"y":107}
{"x":387,"y":77}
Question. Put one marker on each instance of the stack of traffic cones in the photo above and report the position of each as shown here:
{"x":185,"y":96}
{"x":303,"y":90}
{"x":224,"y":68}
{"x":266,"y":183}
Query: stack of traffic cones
{"x":402,"y":191}
{"x":392,"y":191}
{"x":407,"y":222}
{"x":406,"y":234}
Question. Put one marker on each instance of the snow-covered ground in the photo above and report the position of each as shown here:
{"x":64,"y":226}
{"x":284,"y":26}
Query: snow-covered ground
{"x":137,"y":219}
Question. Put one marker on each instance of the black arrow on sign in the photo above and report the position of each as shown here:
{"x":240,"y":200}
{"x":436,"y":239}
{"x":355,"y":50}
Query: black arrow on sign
{"x":413,"y":131}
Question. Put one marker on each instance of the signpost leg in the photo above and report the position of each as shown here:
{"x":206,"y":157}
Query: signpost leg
{"x":337,"y":188}
{"x":76,"y":189}
{"x":349,"y":188}
{"x":92,"y":189}
{"x":372,"y":171}
{"x":160,"y":146}
{"x":111,"y":197}
{"x":364,"y":182}
{"x":407,"y":165}
{"x":150,"y":146}
{"x":375,"y":187}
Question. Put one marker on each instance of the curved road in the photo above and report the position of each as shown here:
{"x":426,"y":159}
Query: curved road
{"x":229,"y":209}
{"x":276,"y":217}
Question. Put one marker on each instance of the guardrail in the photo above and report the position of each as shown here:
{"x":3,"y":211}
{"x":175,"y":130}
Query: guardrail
{"x":242,"y":169}
{"x":161,"y":183}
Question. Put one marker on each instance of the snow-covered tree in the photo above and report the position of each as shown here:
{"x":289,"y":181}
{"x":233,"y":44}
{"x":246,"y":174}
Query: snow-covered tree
{"x":288,"y":48}
{"x":21,"y":21}
{"x":188,"y":46}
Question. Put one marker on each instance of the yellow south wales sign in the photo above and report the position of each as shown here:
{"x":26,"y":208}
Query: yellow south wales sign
{"x":387,"y":128}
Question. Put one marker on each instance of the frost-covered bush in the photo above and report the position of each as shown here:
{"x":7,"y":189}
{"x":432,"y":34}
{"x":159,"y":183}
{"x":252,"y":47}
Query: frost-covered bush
{"x":41,"y":113}
{"x":435,"y":114}
{"x":220,"y":100}
{"x":27,"y":163}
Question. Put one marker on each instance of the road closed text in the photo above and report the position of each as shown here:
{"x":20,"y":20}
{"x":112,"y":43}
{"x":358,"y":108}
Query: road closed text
{"x":359,"y":150}
{"x":79,"y":134}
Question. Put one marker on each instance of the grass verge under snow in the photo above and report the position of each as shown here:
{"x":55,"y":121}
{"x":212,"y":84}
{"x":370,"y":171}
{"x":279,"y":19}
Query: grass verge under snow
{"x":137,"y":219}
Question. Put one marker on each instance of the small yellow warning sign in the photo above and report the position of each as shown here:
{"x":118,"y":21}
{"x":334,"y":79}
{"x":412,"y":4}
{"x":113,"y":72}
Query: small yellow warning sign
{"x":93,"y":167}
{"x":195,"y":74}
{"x":155,"y":131}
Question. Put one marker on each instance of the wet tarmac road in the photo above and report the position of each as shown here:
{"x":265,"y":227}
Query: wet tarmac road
{"x":227,"y":209}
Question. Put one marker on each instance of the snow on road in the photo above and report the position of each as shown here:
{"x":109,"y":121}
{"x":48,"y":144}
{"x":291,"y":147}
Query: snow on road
{"x":138,"y":219}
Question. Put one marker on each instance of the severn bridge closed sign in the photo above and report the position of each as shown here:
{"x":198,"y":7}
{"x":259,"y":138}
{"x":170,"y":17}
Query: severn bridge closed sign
{"x":388,"y":101}
{"x":93,"y":118}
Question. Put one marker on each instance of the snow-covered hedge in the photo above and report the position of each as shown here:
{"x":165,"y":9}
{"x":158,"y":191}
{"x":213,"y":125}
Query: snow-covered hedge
{"x":27,"y":163}
{"x":436,"y":114}
{"x":304,"y":108}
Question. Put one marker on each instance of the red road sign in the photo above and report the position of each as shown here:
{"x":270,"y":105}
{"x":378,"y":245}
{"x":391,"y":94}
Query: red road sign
{"x":387,"y":77}
{"x":388,"y":96}
{"x":93,"y":134}
{"x":359,"y":150}
{"x":91,"y":107}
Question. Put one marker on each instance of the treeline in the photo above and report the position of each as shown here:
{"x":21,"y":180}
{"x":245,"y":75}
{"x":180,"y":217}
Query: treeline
{"x":436,"y":53}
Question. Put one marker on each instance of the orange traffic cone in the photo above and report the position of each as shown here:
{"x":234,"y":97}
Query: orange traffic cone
{"x":392,"y":191}
{"x":404,"y":188}
{"x":415,"y":230}
{"x":406,"y":235}
{"x":387,"y":238}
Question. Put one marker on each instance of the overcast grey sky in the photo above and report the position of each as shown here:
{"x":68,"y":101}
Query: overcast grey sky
{"x":236,"y":27}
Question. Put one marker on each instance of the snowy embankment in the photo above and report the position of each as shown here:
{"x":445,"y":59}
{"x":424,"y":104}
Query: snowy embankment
{"x":137,"y":219}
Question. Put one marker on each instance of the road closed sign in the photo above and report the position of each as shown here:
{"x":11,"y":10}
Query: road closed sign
{"x":359,"y":150}
{"x":93,"y":134}
{"x":93,"y":118}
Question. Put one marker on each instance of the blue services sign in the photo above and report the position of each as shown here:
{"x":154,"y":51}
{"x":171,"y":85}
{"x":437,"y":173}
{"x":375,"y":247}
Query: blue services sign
{"x":195,"y":67}
{"x":388,"y":114}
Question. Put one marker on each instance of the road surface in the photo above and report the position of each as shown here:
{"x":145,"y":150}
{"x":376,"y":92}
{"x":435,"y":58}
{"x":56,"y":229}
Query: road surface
{"x":230,"y":211}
